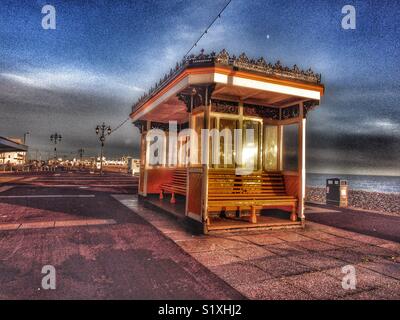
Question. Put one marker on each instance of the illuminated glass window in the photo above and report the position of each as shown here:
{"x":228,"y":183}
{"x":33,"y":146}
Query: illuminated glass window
{"x":251,"y":144}
{"x":290,"y":147}
{"x":226,"y":147}
{"x":270,"y":148}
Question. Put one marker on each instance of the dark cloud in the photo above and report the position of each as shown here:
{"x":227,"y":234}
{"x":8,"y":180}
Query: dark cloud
{"x":369,"y":152}
{"x":73,"y":114}
{"x":102,"y":54}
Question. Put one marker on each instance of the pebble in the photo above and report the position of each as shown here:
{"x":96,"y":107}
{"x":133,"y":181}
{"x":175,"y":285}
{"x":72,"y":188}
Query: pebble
{"x":375,"y":201}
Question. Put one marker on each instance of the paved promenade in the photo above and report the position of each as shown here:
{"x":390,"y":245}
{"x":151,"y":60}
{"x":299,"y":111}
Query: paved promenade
{"x":105,"y":245}
{"x":289,"y":264}
{"x":370,"y":223}
{"x":99,"y":248}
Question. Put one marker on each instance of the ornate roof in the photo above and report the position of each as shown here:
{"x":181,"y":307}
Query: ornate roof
{"x":242,"y":62}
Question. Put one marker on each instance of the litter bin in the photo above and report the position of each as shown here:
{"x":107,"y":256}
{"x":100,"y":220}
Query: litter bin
{"x":336,"y":192}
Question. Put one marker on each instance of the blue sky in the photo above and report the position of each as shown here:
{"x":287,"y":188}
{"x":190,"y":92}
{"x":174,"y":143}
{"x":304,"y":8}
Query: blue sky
{"x":104,"y":54}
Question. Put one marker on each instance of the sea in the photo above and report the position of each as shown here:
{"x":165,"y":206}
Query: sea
{"x":387,"y":184}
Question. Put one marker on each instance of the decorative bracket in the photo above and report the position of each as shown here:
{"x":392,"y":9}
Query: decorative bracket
{"x":196,"y":96}
{"x":290,"y":112}
{"x":141,"y":125}
{"x":261,"y":111}
{"x":309,"y":106}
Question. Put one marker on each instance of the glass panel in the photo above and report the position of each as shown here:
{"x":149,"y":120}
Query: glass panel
{"x":226,"y":128}
{"x":143,"y":150}
{"x":156,"y":150}
{"x":290,"y":147}
{"x":270,"y":148}
{"x":211,"y":146}
{"x":251,"y":143}
{"x":213,"y":122}
{"x":199,"y":124}
{"x":183,"y":151}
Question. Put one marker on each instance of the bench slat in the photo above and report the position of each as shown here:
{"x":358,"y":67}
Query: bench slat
{"x":229,"y":191}
{"x":178,"y":183}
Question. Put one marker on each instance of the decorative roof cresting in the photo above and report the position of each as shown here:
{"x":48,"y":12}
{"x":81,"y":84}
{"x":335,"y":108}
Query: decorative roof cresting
{"x":242,"y":62}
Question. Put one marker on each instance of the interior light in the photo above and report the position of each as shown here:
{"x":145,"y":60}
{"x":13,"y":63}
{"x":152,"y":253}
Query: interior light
{"x":249,"y":152}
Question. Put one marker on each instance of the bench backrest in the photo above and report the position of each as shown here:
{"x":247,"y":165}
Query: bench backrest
{"x":225,"y":182}
{"x":179,"y":177}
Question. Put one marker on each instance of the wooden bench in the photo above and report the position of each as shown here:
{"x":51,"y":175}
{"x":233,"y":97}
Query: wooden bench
{"x":176,"y":186}
{"x":228,"y":191}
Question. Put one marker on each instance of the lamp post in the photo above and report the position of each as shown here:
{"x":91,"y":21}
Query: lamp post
{"x":25,"y":134}
{"x":26,"y":153}
{"x":102,"y":131}
{"x":81,"y":152}
{"x":55,"y":138}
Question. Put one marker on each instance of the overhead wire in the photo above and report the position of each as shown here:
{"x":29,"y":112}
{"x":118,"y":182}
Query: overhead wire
{"x":206,"y":30}
{"x":187,"y":53}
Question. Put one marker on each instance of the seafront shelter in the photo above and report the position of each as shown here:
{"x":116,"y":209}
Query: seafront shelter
{"x":223,"y":141}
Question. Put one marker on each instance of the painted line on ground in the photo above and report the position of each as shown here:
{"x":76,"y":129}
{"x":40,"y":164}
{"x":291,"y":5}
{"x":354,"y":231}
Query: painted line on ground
{"x":87,"y":180}
{"x":29,"y":179}
{"x":6,"y":180}
{"x":312,"y":209}
{"x":6,"y":188}
{"x":114,"y":185}
{"x":81,"y":185}
{"x":55,"y":224}
{"x":49,"y":196}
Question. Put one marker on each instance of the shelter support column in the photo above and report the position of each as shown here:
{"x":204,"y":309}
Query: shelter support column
{"x":144,"y":161}
{"x":280,"y":147}
{"x":205,"y":145}
{"x":192,"y":128}
{"x":302,"y":163}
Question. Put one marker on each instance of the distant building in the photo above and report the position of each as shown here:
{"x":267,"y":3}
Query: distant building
{"x":12,"y":151}
{"x":134,"y":166}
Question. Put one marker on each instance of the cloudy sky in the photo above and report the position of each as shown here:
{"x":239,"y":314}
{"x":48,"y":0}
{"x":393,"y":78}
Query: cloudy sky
{"x":104,"y":54}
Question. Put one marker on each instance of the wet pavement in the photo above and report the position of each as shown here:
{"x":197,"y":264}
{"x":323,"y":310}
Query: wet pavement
{"x":100,"y":249}
{"x":288,"y":264}
{"x":369,"y":223}
{"x":105,"y":245}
